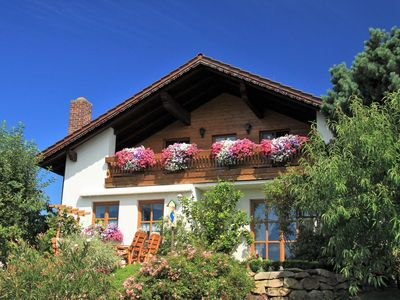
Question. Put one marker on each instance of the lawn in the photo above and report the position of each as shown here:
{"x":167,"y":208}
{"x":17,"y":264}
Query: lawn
{"x":123,"y":273}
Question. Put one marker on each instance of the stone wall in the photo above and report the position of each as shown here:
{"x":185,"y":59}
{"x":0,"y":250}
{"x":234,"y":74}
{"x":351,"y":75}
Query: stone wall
{"x":298,"y":284}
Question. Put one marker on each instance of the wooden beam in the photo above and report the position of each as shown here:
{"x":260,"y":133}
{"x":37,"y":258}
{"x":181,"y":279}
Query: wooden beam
{"x":257,"y":110}
{"x":72,"y":155}
{"x":159,"y":121}
{"x":135,"y":134}
{"x":174,"y":108}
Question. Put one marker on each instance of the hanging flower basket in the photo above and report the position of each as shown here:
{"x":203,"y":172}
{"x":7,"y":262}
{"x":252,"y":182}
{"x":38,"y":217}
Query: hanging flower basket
{"x":283,"y":148}
{"x":229,"y":153}
{"x":135,"y":159}
{"x":176,"y":157}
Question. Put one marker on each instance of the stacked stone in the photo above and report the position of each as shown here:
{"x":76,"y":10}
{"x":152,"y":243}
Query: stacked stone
{"x":298,"y":284}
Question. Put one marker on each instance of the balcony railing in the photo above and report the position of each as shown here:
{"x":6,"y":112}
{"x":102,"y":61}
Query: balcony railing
{"x":201,"y":169}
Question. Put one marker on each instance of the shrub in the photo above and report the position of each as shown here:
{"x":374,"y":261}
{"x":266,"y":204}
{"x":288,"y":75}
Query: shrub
{"x":229,"y":153}
{"x":79,"y":272}
{"x":190,"y":274}
{"x":95,"y":253}
{"x":135,"y":159}
{"x":22,"y":183}
{"x":216,"y":220}
{"x":177,"y":156}
{"x":66,"y":223}
{"x":182,"y":239}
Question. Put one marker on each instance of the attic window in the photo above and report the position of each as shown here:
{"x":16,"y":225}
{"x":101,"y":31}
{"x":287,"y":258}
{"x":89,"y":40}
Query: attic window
{"x":170,"y":142}
{"x":219,"y":138}
{"x":269,"y":135}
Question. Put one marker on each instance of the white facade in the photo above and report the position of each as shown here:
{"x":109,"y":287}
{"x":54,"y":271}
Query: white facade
{"x":84,"y":185}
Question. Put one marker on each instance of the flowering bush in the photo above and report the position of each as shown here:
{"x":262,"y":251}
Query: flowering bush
{"x":231,"y":152}
{"x":282,"y":148}
{"x":110,"y":233}
{"x":135,"y":159}
{"x":81,"y":272}
{"x":190,"y":274}
{"x":177,"y":156}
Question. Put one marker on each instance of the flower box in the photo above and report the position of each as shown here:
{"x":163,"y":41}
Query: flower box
{"x":229,"y":153}
{"x":176,"y":157}
{"x":283,"y":148}
{"x":135,"y":159}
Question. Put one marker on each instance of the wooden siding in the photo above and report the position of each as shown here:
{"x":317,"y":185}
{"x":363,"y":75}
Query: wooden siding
{"x":226,"y":114}
{"x":202,"y":169}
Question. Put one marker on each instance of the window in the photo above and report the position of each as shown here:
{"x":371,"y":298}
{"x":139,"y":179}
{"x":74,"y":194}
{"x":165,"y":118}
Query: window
{"x":105,"y":213}
{"x":151,"y":215}
{"x":169,"y":142}
{"x":268,"y":238}
{"x":218,"y":138}
{"x":269,"y":135}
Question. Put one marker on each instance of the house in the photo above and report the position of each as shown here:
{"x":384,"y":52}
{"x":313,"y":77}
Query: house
{"x":200,"y":102}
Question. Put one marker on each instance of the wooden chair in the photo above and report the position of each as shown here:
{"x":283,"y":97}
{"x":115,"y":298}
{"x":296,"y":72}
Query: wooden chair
{"x":152,"y":247}
{"x":134,"y":251}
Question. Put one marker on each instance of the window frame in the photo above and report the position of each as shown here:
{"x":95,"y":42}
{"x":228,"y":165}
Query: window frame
{"x":282,"y":241}
{"x":151,"y":222}
{"x":274,"y":132}
{"x":106,"y":208}
{"x":214,"y":137}
{"x":175,"y":140}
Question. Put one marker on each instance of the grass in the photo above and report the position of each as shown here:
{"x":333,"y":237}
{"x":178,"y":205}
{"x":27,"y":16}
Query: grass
{"x":123,"y":273}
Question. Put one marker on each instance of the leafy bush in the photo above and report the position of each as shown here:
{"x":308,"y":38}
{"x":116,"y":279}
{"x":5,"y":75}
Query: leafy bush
{"x":79,"y":272}
{"x":22,"y":199}
{"x":216,"y":220}
{"x":190,"y":274}
{"x":351,"y":187}
{"x":66,"y":223}
{"x":94,"y":253}
{"x":182,"y":239}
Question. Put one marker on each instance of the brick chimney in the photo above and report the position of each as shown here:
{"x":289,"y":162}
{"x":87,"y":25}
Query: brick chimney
{"x":80,"y":114}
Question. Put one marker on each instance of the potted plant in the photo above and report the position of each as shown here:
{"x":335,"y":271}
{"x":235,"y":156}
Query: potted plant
{"x":283,"y":148}
{"x":135,"y":159}
{"x":176,"y":157}
{"x":229,"y":153}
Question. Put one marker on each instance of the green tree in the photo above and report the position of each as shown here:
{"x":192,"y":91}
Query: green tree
{"x":216,"y":220}
{"x":374,"y":73}
{"x":21,"y":189}
{"x":352,"y":189}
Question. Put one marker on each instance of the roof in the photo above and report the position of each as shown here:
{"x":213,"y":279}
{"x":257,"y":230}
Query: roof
{"x":199,"y":60}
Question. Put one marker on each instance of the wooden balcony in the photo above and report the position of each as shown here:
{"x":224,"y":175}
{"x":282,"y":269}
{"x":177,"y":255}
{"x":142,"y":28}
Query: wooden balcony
{"x":201,"y":169}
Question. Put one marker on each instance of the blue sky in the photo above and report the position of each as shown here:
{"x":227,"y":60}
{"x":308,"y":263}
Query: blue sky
{"x":54,"y":51}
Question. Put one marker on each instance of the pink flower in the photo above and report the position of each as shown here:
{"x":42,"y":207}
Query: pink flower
{"x":231,"y":152}
{"x":135,"y":159}
{"x":176,"y":157}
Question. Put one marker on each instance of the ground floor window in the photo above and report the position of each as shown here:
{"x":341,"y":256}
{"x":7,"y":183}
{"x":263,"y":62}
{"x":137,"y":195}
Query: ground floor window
{"x":269,"y":241}
{"x":150,"y":215}
{"x":105,"y":213}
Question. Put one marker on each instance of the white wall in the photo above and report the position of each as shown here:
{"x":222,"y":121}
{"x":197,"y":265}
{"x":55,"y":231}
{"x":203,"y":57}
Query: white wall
{"x":89,"y":171}
{"x":323,"y":128}
{"x":128,"y":209}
